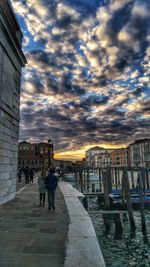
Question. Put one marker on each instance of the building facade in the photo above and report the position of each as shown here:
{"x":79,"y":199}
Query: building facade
{"x":98,"y":157}
{"x":35,"y":155}
{"x":140,"y":153}
{"x":11,"y":62}
{"x":103,"y":159}
{"x":120,"y":157}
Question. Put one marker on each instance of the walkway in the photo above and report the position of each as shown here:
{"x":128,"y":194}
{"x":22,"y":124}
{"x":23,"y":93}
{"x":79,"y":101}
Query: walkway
{"x":31,"y":236}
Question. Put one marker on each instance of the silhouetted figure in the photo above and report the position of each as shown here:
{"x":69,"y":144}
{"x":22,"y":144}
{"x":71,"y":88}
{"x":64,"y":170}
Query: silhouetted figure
{"x":26,"y":174}
{"x":31,"y":175}
{"x":51,"y":185}
{"x":19,"y":174}
{"x":42,"y":187}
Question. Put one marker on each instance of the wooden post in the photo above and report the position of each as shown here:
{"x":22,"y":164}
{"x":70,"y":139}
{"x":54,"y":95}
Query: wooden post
{"x":84,"y":177}
{"x":143,"y":178}
{"x":118,"y":226}
{"x":128,"y":199}
{"x":118,"y":175}
{"x":100,"y":185}
{"x":106,"y":189}
{"x":109,"y":179}
{"x":88,"y":180}
{"x":147,"y":178}
{"x":142,"y":203}
{"x":116,"y":180}
{"x":81,"y":179}
{"x":132,"y":178}
{"x":93,"y":188}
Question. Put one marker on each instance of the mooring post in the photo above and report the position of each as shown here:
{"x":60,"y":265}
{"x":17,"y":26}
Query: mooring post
{"x":147,"y":178}
{"x":132,"y":177}
{"x":143,"y":222}
{"x":106,"y":189}
{"x":87,"y":179}
{"x":128,"y":199}
{"x":81,"y":179}
{"x":109,"y":179}
{"x":100,"y":185}
{"x":116,"y":180}
{"x":84,"y":177}
{"x":143,"y":178}
{"x":93,"y":188}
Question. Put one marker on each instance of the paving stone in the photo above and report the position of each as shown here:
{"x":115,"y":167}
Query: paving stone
{"x":31,"y":236}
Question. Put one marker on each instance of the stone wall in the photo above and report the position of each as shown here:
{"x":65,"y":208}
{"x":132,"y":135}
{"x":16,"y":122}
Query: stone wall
{"x":11,"y":62}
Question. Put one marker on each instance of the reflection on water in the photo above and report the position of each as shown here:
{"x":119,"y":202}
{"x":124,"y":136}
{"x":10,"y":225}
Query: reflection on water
{"x":128,"y":251}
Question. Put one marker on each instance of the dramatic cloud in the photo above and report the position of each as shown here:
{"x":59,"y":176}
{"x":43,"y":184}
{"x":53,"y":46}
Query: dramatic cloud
{"x":87,"y":80}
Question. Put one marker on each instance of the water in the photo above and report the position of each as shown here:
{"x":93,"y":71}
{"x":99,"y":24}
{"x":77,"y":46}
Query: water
{"x":129,"y":251}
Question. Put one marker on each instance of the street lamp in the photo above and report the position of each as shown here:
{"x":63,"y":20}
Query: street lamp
{"x":49,"y":153}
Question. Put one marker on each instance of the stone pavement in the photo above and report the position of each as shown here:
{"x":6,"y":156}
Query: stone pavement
{"x":31,"y":236}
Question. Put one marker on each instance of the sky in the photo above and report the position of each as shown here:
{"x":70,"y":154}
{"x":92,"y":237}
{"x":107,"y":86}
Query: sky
{"x":87,"y":81}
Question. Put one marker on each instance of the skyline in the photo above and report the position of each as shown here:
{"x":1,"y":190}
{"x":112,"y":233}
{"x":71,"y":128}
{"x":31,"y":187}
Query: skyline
{"x":87,"y":79}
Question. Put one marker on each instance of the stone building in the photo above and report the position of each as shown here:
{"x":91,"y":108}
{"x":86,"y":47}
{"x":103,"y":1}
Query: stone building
{"x":98,"y":157}
{"x":102,"y":159}
{"x":140,"y":153}
{"x":11,"y":62}
{"x":120,"y":157}
{"x":35,"y":155}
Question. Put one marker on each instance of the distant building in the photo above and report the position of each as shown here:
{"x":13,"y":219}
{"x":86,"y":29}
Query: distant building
{"x":120,"y":157}
{"x":65,"y":165}
{"x":11,"y":62}
{"x":140,"y":153}
{"x":35,"y":155}
{"x":103,"y":159}
{"x":98,"y":157}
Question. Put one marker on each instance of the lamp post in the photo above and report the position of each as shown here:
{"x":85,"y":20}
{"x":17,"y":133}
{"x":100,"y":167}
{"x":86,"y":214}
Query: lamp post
{"x":49,"y":153}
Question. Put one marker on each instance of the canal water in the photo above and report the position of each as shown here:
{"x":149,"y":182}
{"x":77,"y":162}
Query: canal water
{"x":129,"y":250}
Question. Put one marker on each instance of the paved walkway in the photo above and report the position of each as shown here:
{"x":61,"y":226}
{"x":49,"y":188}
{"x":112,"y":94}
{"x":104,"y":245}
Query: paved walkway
{"x":31,"y":236}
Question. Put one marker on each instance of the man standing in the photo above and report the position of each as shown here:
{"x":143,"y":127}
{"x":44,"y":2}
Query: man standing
{"x":51,"y":185}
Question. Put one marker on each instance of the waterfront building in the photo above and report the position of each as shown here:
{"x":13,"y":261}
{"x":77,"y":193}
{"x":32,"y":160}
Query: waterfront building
{"x":140,"y":153}
{"x":98,"y":157}
{"x":103,"y":159}
{"x":35,"y":155}
{"x":120,"y":157}
{"x":65,"y":165}
{"x":12,"y":60}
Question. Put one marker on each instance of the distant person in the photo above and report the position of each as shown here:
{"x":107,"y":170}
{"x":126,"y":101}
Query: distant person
{"x":51,"y":185}
{"x":42,"y":187}
{"x":19,"y":174}
{"x":31,"y":175}
{"x":26,"y":174}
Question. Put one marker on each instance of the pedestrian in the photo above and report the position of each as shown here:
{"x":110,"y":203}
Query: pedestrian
{"x":19,"y":174}
{"x":31,"y":175}
{"x":42,"y":187}
{"x":51,"y":185}
{"x":26,"y":174}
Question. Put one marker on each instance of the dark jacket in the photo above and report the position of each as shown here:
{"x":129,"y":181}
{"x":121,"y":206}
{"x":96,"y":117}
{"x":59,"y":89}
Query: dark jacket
{"x":51,"y":182}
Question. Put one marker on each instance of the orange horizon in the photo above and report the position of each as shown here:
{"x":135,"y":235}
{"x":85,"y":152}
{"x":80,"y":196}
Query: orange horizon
{"x":78,"y":154}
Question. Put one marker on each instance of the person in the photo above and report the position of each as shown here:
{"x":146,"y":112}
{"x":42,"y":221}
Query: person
{"x":19,"y":174}
{"x":31,"y":175}
{"x":51,"y":185}
{"x":26,"y":174}
{"x":42,"y":187}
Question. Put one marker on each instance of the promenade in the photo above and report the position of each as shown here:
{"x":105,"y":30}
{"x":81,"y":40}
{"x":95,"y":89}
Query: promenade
{"x":31,"y":236}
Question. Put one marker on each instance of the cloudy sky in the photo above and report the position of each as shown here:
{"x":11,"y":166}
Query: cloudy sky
{"x":87,"y":80}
